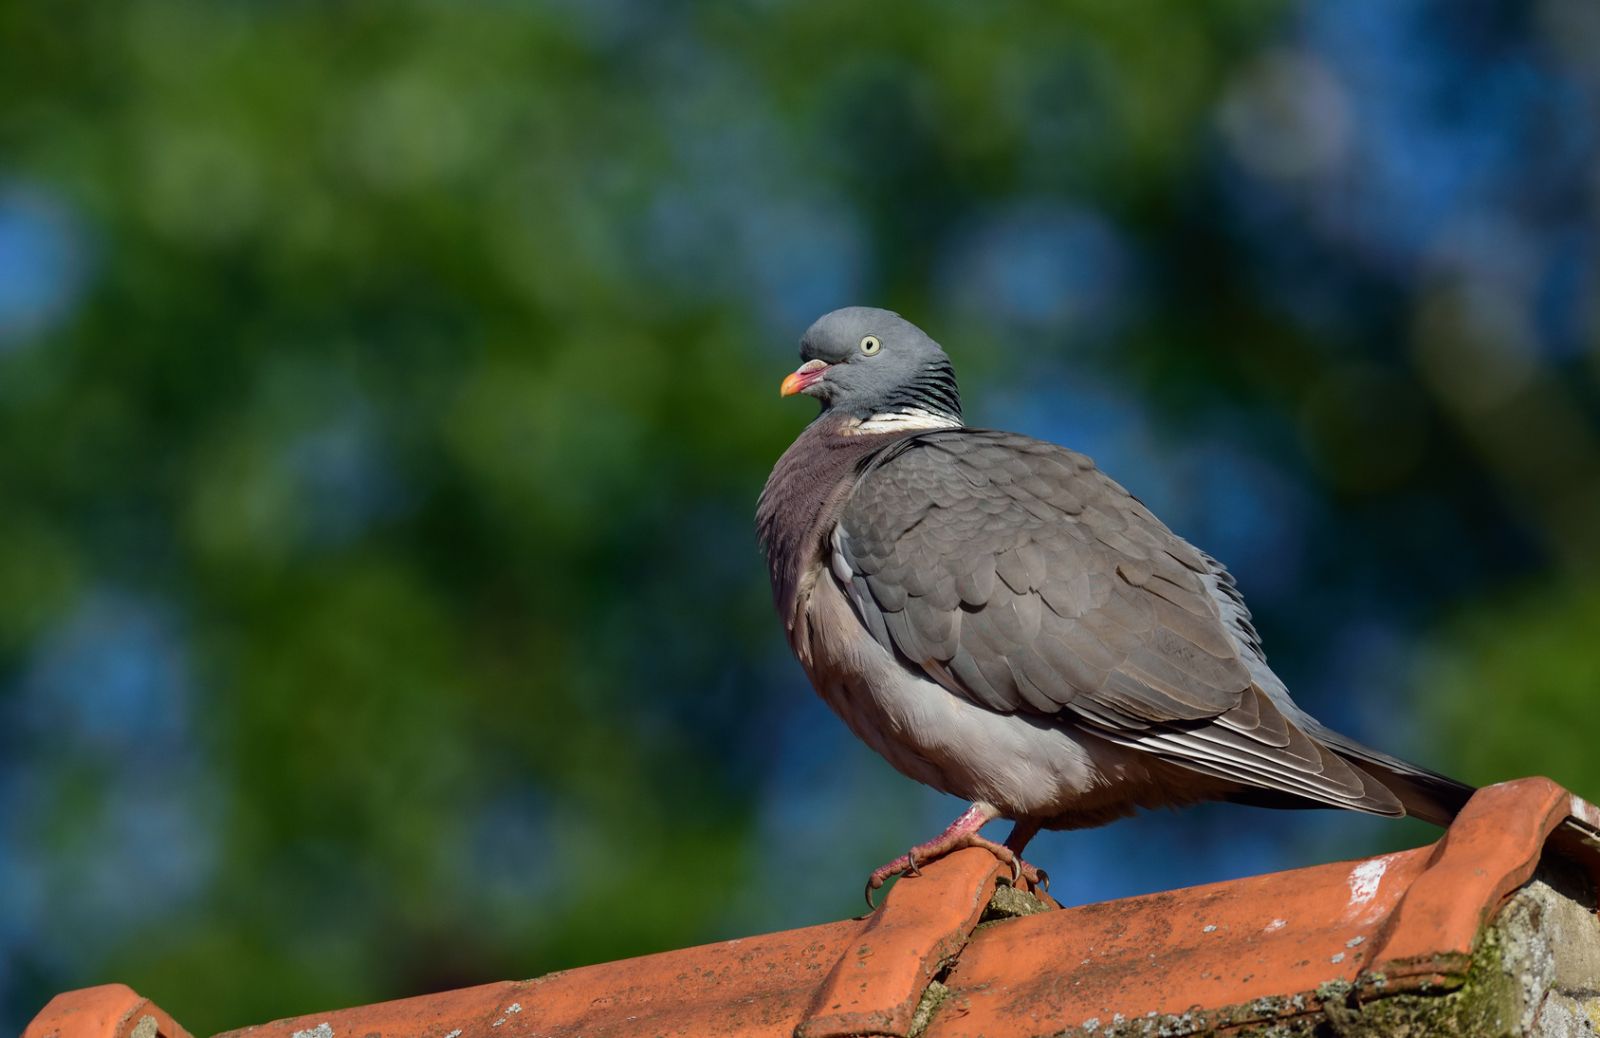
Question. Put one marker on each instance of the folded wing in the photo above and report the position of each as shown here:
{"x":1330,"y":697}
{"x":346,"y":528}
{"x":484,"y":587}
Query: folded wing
{"x":1016,"y":574}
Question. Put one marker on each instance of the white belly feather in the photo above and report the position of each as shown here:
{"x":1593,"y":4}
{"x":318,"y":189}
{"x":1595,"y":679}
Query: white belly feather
{"x":1027,"y":766}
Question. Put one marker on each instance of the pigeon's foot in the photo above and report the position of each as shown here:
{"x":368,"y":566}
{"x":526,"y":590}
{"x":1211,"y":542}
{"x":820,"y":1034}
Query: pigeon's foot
{"x":963,"y":832}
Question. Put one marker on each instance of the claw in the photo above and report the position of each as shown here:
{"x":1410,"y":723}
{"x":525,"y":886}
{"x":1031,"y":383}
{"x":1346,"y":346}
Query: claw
{"x":963,"y":832}
{"x":1044,"y":880}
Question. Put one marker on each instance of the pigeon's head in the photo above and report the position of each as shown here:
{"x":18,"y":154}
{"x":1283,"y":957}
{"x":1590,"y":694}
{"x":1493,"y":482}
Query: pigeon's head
{"x":875,"y":364}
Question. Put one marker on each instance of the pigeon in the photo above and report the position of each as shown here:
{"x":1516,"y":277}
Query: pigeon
{"x":1002,"y":621}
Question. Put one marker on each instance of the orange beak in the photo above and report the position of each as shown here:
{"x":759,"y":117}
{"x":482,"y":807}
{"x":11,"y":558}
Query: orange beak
{"x":807,"y":373}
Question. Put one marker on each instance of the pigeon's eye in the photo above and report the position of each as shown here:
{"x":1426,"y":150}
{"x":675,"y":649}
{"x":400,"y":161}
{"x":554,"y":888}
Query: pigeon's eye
{"x":870,"y":344}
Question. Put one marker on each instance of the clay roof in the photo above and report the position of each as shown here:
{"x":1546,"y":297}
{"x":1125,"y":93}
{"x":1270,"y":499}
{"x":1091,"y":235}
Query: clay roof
{"x":947,"y":957}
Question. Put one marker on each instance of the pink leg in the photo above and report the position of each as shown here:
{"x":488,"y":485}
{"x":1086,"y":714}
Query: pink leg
{"x":1021,"y":833}
{"x":963,"y":832}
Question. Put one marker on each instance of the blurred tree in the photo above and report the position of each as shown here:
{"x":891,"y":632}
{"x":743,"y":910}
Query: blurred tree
{"x":1512,"y":680}
{"x":384,"y":392}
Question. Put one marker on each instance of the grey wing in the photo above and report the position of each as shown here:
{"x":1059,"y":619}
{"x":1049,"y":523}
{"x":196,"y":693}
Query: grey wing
{"x":1015,"y":574}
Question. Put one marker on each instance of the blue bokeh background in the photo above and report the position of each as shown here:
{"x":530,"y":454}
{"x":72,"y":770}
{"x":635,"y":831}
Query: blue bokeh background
{"x":385,"y":390}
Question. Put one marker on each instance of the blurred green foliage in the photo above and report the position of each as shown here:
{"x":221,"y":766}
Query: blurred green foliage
{"x":385,"y":389}
{"x":1514,"y":683}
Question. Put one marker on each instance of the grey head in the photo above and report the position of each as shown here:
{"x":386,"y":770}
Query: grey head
{"x":870,"y":363}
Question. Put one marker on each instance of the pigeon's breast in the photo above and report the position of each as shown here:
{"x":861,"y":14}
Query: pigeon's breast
{"x":1028,"y":766}
{"x":800,"y":501}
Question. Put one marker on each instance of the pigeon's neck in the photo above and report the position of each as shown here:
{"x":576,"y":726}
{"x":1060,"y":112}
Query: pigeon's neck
{"x":903,"y":420}
{"x":803,"y":496}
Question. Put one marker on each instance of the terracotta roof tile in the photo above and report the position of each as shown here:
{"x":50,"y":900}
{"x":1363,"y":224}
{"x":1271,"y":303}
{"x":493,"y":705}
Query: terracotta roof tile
{"x":107,"y":1011}
{"x":757,"y":987}
{"x":1250,"y":950}
{"x":1212,"y":946}
{"x":1490,"y":851}
{"x":876,"y":985}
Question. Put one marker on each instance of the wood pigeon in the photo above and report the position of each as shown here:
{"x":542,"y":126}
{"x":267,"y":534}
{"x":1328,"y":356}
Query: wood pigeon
{"x":1005,"y":623}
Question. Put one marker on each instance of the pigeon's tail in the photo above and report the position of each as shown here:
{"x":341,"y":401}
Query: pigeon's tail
{"x":1424,"y":794}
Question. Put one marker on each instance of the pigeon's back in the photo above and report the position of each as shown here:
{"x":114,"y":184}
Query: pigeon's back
{"x":1014,"y":573}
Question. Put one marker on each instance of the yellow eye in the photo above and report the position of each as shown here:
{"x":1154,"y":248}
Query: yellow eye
{"x":870,"y":344}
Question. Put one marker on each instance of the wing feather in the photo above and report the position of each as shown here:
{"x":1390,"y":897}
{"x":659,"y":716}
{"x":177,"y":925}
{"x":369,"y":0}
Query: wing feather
{"x":1015,"y":574}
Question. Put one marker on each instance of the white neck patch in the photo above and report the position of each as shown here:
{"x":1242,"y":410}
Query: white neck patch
{"x":909,"y":419}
